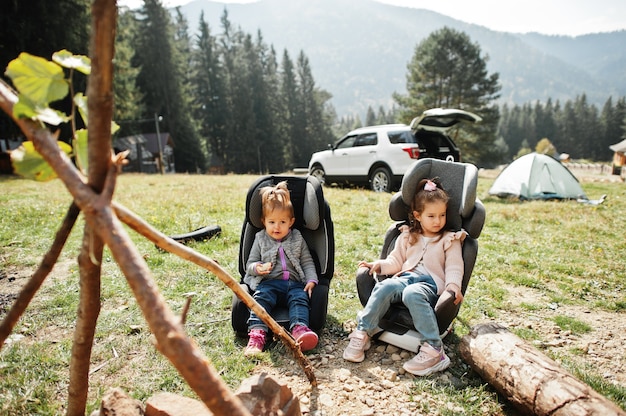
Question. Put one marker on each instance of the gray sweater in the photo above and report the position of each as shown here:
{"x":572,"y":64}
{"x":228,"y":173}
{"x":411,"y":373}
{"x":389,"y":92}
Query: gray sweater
{"x":265,"y":249}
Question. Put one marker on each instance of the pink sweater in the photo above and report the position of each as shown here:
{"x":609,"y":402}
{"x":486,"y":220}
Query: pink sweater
{"x":442,"y":257}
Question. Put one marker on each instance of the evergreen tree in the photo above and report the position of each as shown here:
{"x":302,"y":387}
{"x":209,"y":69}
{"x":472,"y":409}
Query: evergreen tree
{"x":611,"y":119}
{"x":272,"y":155}
{"x":128,"y":97}
{"x":289,"y":95}
{"x":544,"y":124}
{"x":256,"y":56}
{"x":342,"y":127}
{"x":381,"y":116}
{"x":241,"y":150}
{"x":312,"y":131}
{"x":567,"y":125}
{"x":40,"y":28}
{"x":447,"y":70}
{"x":578,"y":128}
{"x":586,"y":135}
{"x":187,"y":125}
{"x":209,"y":95}
{"x":370,"y":117}
{"x":163,"y":81}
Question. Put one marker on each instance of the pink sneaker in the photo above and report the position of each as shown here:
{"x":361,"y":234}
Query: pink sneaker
{"x":256,"y":342}
{"x":359,"y":343}
{"x":306,"y":338}
{"x":427,"y":361}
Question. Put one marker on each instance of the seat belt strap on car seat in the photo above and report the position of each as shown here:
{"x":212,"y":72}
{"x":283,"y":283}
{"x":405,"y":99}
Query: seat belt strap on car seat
{"x":283,"y":262}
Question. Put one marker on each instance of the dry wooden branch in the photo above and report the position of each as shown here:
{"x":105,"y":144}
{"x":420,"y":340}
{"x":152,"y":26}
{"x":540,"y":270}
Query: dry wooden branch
{"x":100,"y":113}
{"x":86,"y":321}
{"x":174,"y":247}
{"x":527,"y":378}
{"x":183,"y":314}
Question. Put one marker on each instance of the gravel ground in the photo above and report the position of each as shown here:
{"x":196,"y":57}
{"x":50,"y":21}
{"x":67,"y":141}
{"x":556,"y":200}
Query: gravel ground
{"x":379,"y":385}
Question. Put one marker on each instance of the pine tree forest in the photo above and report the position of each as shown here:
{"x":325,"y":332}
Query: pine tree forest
{"x":234,"y":104}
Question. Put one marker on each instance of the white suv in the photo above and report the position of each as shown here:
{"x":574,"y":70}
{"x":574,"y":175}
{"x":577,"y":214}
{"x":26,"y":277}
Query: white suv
{"x":380,"y":155}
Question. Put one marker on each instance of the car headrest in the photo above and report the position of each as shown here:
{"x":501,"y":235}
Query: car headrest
{"x":306,"y":197}
{"x":458,"y":179}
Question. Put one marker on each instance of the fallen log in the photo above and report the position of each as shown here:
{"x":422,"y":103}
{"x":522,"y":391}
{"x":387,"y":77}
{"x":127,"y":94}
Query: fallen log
{"x":530,"y":380}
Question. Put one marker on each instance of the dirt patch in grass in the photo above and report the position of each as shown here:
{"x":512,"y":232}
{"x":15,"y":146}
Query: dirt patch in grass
{"x":601,"y":347}
{"x":11,"y":283}
{"x":12,"y":280}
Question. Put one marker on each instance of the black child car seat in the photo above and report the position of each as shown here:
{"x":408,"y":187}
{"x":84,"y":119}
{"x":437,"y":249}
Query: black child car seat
{"x":464,"y":212}
{"x":313,"y":219}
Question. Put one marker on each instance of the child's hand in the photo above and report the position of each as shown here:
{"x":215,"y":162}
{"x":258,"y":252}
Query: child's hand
{"x":374,"y":267}
{"x":309,"y":288}
{"x":458,"y":296}
{"x":263,"y":268}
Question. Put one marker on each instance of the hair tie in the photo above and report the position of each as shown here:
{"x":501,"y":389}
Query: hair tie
{"x":430,"y":186}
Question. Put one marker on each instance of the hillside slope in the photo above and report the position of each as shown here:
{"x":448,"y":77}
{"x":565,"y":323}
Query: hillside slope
{"x":359,"y":49}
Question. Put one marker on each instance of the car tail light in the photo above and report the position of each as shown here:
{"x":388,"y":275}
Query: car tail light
{"x":414,"y":152}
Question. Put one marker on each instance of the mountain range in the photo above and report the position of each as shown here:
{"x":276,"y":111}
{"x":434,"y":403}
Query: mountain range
{"x":359,"y":50}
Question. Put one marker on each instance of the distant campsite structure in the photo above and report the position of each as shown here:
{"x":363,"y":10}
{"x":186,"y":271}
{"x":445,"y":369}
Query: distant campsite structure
{"x":537,"y":176}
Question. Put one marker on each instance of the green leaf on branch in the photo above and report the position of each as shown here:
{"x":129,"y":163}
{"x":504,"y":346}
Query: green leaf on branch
{"x":80,"y":100}
{"x":37,"y":79}
{"x":25,"y":109}
{"x":29,"y":163}
{"x":80,"y":150}
{"x":67,"y":59}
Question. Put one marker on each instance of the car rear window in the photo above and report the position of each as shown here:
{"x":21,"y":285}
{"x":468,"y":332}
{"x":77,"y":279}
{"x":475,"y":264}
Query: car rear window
{"x":404,"y":136}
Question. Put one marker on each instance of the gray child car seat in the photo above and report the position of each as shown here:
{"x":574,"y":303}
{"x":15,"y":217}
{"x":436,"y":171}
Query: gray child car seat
{"x":464,"y":211}
{"x":313,"y":219}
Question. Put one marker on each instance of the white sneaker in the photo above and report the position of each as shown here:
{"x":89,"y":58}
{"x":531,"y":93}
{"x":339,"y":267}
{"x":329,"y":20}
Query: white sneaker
{"x":428,"y":360}
{"x":359,"y":343}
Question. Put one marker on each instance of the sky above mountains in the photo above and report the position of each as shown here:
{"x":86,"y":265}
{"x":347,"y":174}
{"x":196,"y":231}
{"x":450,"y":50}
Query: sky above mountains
{"x":550,"y":17}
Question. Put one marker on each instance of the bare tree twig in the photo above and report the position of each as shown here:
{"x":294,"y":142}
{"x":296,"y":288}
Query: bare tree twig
{"x":174,"y":247}
{"x":183,"y":314}
{"x":100,"y":113}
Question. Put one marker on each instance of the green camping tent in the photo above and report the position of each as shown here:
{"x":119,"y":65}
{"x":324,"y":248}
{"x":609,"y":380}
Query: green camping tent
{"x":537,"y":176}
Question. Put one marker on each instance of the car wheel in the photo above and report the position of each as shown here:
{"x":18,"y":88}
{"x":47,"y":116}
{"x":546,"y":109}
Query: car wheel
{"x":319,"y":173}
{"x":380,"y":181}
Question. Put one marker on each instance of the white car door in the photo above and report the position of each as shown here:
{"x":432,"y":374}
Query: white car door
{"x":362,"y":154}
{"x":337,"y":162}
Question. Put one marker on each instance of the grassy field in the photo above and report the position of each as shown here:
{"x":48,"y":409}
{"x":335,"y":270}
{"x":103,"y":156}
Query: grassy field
{"x":566,"y":253}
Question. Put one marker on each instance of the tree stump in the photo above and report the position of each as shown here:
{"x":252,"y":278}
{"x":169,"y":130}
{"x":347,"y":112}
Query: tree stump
{"x":531,"y":381}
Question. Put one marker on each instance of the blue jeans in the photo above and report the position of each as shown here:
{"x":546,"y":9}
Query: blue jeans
{"x":270,"y":292}
{"x":419,"y":295}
